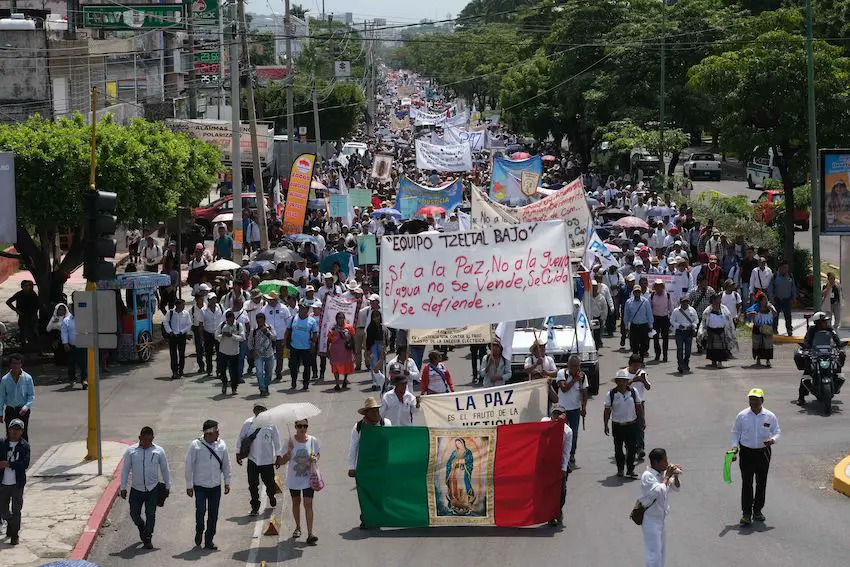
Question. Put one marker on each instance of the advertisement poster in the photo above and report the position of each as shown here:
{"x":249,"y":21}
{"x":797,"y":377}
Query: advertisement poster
{"x":835,"y":191}
{"x":299,"y":189}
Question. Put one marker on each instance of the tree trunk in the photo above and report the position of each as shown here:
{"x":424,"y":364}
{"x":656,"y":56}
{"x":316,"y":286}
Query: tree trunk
{"x":788,"y":187}
{"x":674,"y":161}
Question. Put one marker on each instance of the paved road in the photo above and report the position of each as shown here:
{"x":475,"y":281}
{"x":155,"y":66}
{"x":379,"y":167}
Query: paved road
{"x":690,"y":416}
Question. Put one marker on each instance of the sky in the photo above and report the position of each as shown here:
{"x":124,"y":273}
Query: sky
{"x":399,"y":11}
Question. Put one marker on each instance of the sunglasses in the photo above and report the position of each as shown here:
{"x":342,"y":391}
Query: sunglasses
{"x":301,"y":426}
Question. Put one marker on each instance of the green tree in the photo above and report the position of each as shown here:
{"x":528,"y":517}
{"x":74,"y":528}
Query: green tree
{"x":152,"y":169}
{"x":262,"y":48}
{"x":760,"y":98}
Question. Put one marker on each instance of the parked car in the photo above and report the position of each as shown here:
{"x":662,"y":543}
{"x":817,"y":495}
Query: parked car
{"x":764,"y":209}
{"x":203,"y":216}
{"x":643,"y":164}
{"x":349,"y":148}
{"x":702,"y":166}
{"x":564,"y":338}
{"x":762,"y":166}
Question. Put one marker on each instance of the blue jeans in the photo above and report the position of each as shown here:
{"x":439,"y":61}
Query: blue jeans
{"x":206,"y":504}
{"x":745,"y":294}
{"x":684,"y":340}
{"x":573,"y":419}
{"x":243,"y":353}
{"x":374,"y":356}
{"x":265,"y":371}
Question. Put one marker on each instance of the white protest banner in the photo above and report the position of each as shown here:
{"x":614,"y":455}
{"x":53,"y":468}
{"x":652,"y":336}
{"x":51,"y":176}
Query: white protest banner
{"x":458,"y":136}
{"x":432,"y":281}
{"x":453,"y":157}
{"x":472,"y":335}
{"x":515,"y":403}
{"x":333,"y":305}
{"x":423,"y":118}
{"x":382,"y":167}
{"x":597,"y":249}
{"x":487,"y":213}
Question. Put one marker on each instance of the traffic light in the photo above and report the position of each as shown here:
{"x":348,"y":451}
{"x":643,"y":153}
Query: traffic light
{"x":100,"y":224}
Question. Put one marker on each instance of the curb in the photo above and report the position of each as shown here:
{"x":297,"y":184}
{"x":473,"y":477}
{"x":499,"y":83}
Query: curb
{"x":840,"y":480}
{"x":782,"y":339}
{"x":98,"y":515}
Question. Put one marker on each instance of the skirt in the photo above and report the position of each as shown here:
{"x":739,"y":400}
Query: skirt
{"x":716,"y":348}
{"x":762,"y":346}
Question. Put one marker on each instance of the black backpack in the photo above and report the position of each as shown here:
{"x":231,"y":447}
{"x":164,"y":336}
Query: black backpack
{"x":245,"y":446}
{"x":634,"y":396}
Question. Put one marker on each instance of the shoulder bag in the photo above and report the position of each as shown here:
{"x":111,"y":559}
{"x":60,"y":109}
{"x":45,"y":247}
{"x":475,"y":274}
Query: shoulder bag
{"x":213,"y":453}
{"x":245,"y":446}
{"x":317,"y":483}
{"x":638,"y":511}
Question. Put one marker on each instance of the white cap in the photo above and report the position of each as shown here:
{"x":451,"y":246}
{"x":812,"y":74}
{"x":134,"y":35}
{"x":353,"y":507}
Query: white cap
{"x":374,"y":297}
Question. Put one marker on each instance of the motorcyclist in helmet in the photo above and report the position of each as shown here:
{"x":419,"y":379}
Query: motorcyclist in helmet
{"x":820,"y":322}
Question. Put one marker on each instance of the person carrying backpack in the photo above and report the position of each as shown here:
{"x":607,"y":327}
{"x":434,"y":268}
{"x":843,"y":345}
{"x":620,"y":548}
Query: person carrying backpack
{"x":623,"y":408}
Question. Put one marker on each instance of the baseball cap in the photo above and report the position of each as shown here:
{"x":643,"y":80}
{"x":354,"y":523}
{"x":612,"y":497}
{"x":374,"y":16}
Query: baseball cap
{"x":622,"y":375}
{"x":16,"y":423}
{"x":756,"y":393}
{"x":558,"y":408}
{"x":374,"y":297}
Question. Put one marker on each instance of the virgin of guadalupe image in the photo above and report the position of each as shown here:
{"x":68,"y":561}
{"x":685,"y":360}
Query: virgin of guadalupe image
{"x":461,"y":497}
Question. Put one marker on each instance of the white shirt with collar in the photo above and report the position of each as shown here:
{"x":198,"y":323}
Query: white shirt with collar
{"x":653,"y":495}
{"x":324,"y":291}
{"x":623,"y":409}
{"x":196,"y":313}
{"x":760,"y":279}
{"x":398,"y":411}
{"x":266,"y":445}
{"x":684,"y":319}
{"x":202,"y":469}
{"x":144,"y":468}
{"x":571,"y":399}
{"x":354,"y":443}
{"x":178,"y":322}
{"x":211,"y":318}
{"x":230,"y":345}
{"x":752,"y":430}
{"x":278,"y":318}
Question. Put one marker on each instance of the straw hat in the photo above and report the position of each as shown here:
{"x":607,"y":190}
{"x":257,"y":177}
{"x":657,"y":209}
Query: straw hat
{"x":369,"y":403}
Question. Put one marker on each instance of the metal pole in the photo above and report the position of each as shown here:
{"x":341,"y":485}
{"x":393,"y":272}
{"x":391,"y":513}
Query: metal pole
{"x":813,"y":160}
{"x":236,"y":137}
{"x":255,"y":151}
{"x":193,"y":76}
{"x":71,"y":7}
{"x":661,"y":93}
{"x":135,"y":81}
{"x":94,"y":388}
{"x":316,"y":121}
{"x":290,"y":103}
{"x":221,"y":91}
{"x":93,"y":437}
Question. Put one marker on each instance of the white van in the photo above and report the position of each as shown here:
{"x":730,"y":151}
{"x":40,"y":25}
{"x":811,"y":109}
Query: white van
{"x":760,"y":167}
{"x":349,"y":148}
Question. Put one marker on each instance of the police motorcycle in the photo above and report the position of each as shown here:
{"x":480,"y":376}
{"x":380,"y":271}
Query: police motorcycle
{"x":821,"y":360}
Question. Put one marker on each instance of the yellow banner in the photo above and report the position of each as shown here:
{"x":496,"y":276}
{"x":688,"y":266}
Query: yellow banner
{"x":299,"y":190}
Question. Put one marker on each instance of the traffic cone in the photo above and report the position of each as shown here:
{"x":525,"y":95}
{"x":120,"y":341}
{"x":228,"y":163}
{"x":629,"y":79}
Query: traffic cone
{"x":274,"y":526}
{"x":278,"y":484}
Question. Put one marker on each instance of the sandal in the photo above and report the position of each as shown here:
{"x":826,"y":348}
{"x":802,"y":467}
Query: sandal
{"x":297,"y":533}
{"x":311,"y":540}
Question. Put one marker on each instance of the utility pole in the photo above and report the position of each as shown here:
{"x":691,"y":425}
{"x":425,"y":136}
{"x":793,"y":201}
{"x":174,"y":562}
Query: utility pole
{"x":71,"y":7}
{"x":290,"y":103}
{"x":370,"y":93}
{"x":316,"y":120}
{"x":813,"y":161}
{"x":236,"y":134}
{"x":193,"y":78}
{"x":252,"y":125}
{"x":221,"y":90}
{"x":662,"y":91}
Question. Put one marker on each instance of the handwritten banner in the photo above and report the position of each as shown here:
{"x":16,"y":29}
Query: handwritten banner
{"x":516,"y":403}
{"x":472,"y":335}
{"x":451,"y":157}
{"x":431,"y":281}
{"x":411,"y":196}
{"x":459,"y":136}
{"x":299,"y":189}
{"x":334,"y":304}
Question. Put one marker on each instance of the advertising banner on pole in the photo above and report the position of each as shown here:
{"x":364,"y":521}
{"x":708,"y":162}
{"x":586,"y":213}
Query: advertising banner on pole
{"x":299,"y":189}
{"x":835,"y":191}
{"x":451,"y":157}
{"x":516,"y":403}
{"x":431,"y":281}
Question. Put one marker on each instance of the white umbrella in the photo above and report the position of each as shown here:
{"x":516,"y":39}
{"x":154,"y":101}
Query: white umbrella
{"x":222,"y":266}
{"x":285,"y":414}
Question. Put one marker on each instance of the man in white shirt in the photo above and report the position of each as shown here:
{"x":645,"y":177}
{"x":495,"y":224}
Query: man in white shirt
{"x":559,"y":414}
{"x":77,"y":357}
{"x":760,"y":277}
{"x":178,"y":325}
{"x":151,"y":254}
{"x":211,"y":317}
{"x":278,"y":317}
{"x":655,"y":483}
{"x":399,"y":404}
{"x":230,"y":335}
{"x":330,"y":288}
{"x":207,"y":462}
{"x":754,"y":433}
{"x":682,"y":280}
{"x":539,"y":364}
{"x":147,"y":464}
{"x":236,"y":291}
{"x":371,"y":412}
{"x":640,"y":383}
{"x":622,"y":407}
{"x":684,"y":321}
{"x":300,"y":271}
{"x":572,"y":386}
{"x":196,"y":315}
{"x":262,"y":446}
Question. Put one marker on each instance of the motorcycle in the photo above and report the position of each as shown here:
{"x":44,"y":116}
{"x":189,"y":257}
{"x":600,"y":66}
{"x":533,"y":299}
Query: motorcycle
{"x":823,"y":379}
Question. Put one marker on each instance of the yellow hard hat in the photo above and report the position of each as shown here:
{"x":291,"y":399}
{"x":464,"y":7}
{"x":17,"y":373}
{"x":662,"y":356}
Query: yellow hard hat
{"x":756,"y":392}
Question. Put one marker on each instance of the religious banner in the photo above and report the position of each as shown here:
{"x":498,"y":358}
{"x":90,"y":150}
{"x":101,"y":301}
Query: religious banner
{"x":513,"y":403}
{"x":472,"y":335}
{"x":367,"y":249}
{"x":299,"y":188}
{"x":410,"y":477}
{"x":334,"y":304}
{"x":495,"y":274}
{"x":452,"y":157}
{"x":506,"y":179}
{"x":382,"y":166}
{"x":411,"y":196}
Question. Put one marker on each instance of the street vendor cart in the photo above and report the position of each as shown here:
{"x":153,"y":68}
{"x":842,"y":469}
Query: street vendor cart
{"x":135,"y":329}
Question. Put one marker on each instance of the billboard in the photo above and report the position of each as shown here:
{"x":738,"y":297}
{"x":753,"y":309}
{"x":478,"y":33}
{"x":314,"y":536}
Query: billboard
{"x":835,"y":191}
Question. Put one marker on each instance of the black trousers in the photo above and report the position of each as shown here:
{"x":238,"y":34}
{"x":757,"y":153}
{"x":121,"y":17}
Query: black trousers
{"x":177,"y":350}
{"x":198,"y":337}
{"x":753,"y":463}
{"x":564,"y":476}
{"x":11,"y":504}
{"x":299,"y":357}
{"x":147,"y":499}
{"x":210,"y":349}
{"x":639,"y":339}
{"x":15,"y":413}
{"x":662,"y":335}
{"x":255,"y":473}
{"x":228,"y":364}
{"x":625,"y":434}
{"x":476,"y":353}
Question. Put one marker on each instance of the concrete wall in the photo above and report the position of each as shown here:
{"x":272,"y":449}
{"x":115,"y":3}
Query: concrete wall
{"x":25,"y":86}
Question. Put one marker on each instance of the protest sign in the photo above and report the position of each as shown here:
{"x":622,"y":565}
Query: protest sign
{"x":486,"y":213}
{"x":431,"y":281}
{"x":506,"y":179}
{"x":338,"y":207}
{"x":397,"y":124}
{"x":516,"y":403}
{"x":423,"y":118}
{"x":359,"y":197}
{"x":452,"y":157}
{"x":597,"y":249}
{"x":458,"y":136}
{"x":411,"y":196}
{"x":333,"y":305}
{"x":382,"y":166}
{"x":367,"y":249}
{"x":472,"y":335}
{"x":299,"y":188}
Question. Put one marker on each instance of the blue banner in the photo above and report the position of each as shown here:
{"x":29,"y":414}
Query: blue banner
{"x":506,"y":180}
{"x":411,"y":196}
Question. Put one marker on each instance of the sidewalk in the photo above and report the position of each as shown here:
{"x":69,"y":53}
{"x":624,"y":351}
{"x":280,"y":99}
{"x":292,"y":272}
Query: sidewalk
{"x":65,"y":504}
{"x":798,"y":332}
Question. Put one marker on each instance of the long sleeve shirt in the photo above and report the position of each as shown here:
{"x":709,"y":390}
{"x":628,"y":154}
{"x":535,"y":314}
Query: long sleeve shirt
{"x":178,"y":322}
{"x":211,"y":317}
{"x":684,"y":319}
{"x":202,"y":469}
{"x":751,"y":430}
{"x":230,"y":345}
{"x":68,"y":331}
{"x":653,"y":495}
{"x":354,"y":442}
{"x":637,"y":312}
{"x":760,"y":279}
{"x":782,"y":287}
{"x":410,"y":369}
{"x":398,"y":411}
{"x":20,"y":394}
{"x":266,"y":445}
{"x":146,"y":467}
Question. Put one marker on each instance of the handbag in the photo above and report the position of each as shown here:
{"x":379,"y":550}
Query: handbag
{"x":317,"y":483}
{"x":638,"y":511}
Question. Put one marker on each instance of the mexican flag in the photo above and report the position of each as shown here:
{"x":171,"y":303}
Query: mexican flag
{"x":508,"y":475}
